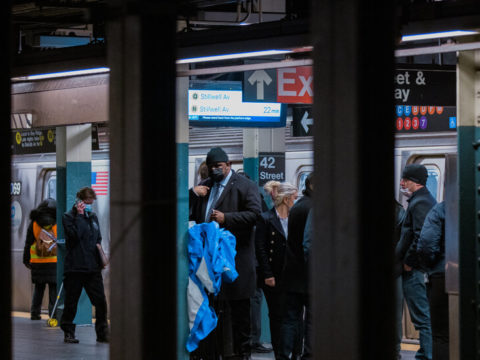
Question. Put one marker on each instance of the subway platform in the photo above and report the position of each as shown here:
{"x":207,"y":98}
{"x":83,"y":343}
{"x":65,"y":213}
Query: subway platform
{"x":34,"y":340}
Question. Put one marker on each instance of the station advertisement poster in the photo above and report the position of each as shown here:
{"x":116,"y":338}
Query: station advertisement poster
{"x":425,"y":100}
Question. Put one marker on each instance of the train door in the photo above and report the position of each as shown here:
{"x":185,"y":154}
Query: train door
{"x":435,"y":184}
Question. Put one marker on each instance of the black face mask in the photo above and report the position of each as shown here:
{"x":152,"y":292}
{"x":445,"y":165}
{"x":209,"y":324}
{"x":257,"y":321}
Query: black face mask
{"x":216,"y":174}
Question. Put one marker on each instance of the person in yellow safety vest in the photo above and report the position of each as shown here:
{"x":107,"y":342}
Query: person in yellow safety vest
{"x":40,"y":255}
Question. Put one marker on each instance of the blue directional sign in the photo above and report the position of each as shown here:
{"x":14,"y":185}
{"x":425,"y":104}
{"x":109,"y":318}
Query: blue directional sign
{"x":208,"y":106}
{"x":260,"y":86}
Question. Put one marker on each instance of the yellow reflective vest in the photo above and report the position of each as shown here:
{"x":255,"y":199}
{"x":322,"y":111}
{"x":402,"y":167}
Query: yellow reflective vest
{"x":34,"y":258}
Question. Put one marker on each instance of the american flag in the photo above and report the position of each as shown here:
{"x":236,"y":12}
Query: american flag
{"x":100,"y":182}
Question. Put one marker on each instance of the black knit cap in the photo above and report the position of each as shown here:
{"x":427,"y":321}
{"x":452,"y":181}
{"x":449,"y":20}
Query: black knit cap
{"x":215,"y":155}
{"x":416,"y":173}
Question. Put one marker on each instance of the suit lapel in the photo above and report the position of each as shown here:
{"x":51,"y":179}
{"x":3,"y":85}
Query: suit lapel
{"x":227,"y":189}
{"x":204,"y":202}
{"x":276,"y":222}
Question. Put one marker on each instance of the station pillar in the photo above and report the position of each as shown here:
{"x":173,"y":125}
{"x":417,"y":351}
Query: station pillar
{"x":250,"y":153}
{"x":5,"y":169}
{"x":74,"y":171}
{"x":352,"y":293}
{"x":468,"y":168}
{"x":182,"y":135}
{"x":143,"y":167}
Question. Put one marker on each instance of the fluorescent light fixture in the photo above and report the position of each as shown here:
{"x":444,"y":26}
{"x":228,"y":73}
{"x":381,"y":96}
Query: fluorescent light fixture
{"x":63,"y":74}
{"x":233,"y":56}
{"x":438,"y":35}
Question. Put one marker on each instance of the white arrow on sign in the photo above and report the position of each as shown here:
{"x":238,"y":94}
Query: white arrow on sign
{"x":260,"y":77}
{"x":306,"y":121}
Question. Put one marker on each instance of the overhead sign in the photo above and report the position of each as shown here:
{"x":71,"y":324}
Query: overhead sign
{"x":226,"y":108}
{"x":35,"y":141}
{"x":425,"y":87}
{"x":425,"y":100}
{"x":295,"y":85}
{"x":271,"y":167}
{"x":260,"y":85}
{"x":302,"y":121}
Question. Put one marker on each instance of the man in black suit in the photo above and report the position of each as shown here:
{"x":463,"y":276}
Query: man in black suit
{"x":234,"y":202}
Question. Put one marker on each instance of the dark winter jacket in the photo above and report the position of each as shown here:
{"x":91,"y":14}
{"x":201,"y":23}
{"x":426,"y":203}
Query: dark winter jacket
{"x":295,"y":275}
{"x":399,"y":218}
{"x":431,"y":245}
{"x":240,"y":202}
{"x":45,"y":214}
{"x":82,"y":234}
{"x":270,"y":243}
{"x":419,"y":205}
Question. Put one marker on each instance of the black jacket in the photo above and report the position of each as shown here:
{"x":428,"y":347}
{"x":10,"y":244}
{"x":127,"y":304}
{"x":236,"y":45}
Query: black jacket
{"x":295,"y":276}
{"x":82,"y":234}
{"x":431,"y":244}
{"x":399,"y":218}
{"x":240,"y":202}
{"x":270,"y":243}
{"x":419,"y":205}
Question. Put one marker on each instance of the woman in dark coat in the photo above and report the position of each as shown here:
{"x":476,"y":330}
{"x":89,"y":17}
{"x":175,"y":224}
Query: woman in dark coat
{"x":270,"y":242}
{"x":43,"y":266}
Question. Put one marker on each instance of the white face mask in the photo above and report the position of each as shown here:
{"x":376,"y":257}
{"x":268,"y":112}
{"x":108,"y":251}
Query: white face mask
{"x":405,"y":192}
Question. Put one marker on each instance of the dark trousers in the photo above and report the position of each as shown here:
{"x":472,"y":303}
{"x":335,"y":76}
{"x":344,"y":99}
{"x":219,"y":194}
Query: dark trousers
{"x":241,"y":329}
{"x":214,"y":346}
{"x":293,"y":327}
{"x":276,"y":308}
{"x":73,"y":283}
{"x":37,"y":298}
{"x":438,"y":300}
{"x":256,"y":315}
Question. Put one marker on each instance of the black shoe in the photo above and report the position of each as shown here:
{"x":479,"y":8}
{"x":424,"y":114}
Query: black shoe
{"x":103,"y":339}
{"x":35,"y":317}
{"x":259,"y":348}
{"x":70,"y":339}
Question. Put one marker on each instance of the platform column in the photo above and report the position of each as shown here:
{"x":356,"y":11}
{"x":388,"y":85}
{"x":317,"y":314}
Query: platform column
{"x":468,"y":129}
{"x":143,"y":200}
{"x":5,"y":200}
{"x":182,"y":132}
{"x":250,"y":153}
{"x":352,"y":266}
{"x":74,"y":171}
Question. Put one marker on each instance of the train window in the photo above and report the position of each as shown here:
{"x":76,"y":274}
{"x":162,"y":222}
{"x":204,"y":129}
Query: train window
{"x":435,"y":168}
{"x":51,"y":188}
{"x":433,"y":180}
{"x":302,"y":176}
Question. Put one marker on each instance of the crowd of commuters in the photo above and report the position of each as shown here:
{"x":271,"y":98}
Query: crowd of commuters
{"x":272,"y":256}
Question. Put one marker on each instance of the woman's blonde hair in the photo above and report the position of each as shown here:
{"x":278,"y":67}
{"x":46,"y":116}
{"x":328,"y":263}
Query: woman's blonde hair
{"x":278,"y":191}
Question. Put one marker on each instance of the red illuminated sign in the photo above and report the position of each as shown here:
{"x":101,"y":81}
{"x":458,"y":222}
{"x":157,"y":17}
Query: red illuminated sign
{"x":295,"y":85}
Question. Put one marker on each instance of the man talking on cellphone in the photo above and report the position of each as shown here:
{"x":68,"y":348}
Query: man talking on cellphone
{"x":83,"y":266}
